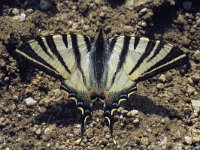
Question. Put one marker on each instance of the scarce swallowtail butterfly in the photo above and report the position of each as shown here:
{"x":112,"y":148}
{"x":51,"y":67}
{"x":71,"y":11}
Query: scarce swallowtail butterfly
{"x":100,"y":69}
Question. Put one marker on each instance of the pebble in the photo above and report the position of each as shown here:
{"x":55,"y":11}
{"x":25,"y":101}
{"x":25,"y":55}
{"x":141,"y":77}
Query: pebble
{"x":143,"y":24}
{"x":162,"y":78}
{"x":198,"y":21}
{"x":75,"y":25}
{"x":132,"y":113}
{"x":160,"y":86}
{"x":196,"y":105}
{"x":188,"y":140}
{"x":145,"y":141}
{"x":48,"y":130}
{"x":124,"y":112}
{"x":21,"y":17}
{"x":107,"y":136}
{"x":135,"y":121}
{"x":90,"y":133}
{"x":197,"y":55}
{"x":86,"y":27}
{"x":190,"y":90}
{"x":38,"y":131}
{"x":144,"y":10}
{"x":6,"y":79}
{"x":30,"y":101}
{"x":15,"y":11}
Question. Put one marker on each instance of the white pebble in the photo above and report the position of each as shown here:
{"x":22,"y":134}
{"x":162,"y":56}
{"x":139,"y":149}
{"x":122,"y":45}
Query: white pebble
{"x":188,"y":140}
{"x":30,"y":101}
{"x":196,"y":105}
{"x":144,"y":10}
{"x":22,"y":17}
{"x":38,"y":131}
{"x":132,"y":113}
{"x":136,"y":120}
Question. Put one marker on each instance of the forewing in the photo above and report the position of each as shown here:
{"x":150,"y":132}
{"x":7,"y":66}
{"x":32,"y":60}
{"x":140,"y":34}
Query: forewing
{"x":137,"y":59}
{"x":60,"y":56}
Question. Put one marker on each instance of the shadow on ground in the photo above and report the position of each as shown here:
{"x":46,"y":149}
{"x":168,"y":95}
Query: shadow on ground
{"x":65,"y":114}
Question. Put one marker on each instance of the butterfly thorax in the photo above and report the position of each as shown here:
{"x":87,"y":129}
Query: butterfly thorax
{"x":99,"y":56}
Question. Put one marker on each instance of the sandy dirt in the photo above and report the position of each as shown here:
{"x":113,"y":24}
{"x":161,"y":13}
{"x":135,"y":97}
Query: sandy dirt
{"x":163,"y":115}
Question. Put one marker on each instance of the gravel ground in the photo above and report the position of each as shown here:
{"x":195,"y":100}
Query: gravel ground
{"x":34,"y":112}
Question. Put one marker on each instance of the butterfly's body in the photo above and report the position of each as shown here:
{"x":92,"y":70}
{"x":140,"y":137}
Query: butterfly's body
{"x":102,"y":69}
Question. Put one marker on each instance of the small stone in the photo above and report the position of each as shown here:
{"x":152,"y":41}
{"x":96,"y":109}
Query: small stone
{"x":2,"y":120}
{"x":124,"y":112}
{"x":197,"y":55}
{"x":143,"y":24}
{"x":22,"y":17}
{"x":163,"y":143}
{"x":145,"y":141}
{"x":6,"y":79}
{"x":129,"y":4}
{"x":160,"y":86}
{"x":198,"y":21}
{"x":135,"y":121}
{"x":187,"y":5}
{"x":102,"y":14}
{"x":144,"y":10}
{"x":190,"y":90}
{"x":107,"y":136}
{"x":132,"y":113}
{"x":76,"y":131}
{"x":15,"y":11}
{"x":188,"y":140}
{"x":30,"y":101}
{"x":48,"y":130}
{"x":75,"y":25}
{"x":77,"y":142}
{"x":162,"y":78}
{"x":15,"y":97}
{"x":90,"y":133}
{"x":86,"y":27}
{"x":196,"y":105}
{"x":38,"y":131}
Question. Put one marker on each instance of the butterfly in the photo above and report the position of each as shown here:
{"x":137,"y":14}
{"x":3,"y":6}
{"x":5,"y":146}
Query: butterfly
{"x":100,"y":69}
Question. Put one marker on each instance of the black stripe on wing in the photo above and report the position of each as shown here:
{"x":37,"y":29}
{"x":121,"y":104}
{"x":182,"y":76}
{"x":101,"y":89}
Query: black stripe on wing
{"x":137,"y":40}
{"x":150,"y":46}
{"x":87,"y":42}
{"x":64,"y":37}
{"x":122,"y":57}
{"x":53,"y":48}
{"x":112,"y":43}
{"x":173,"y":59}
{"x":157,"y":51}
{"x":27,"y":50}
{"x":77,"y":55}
{"x":42,"y":45}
